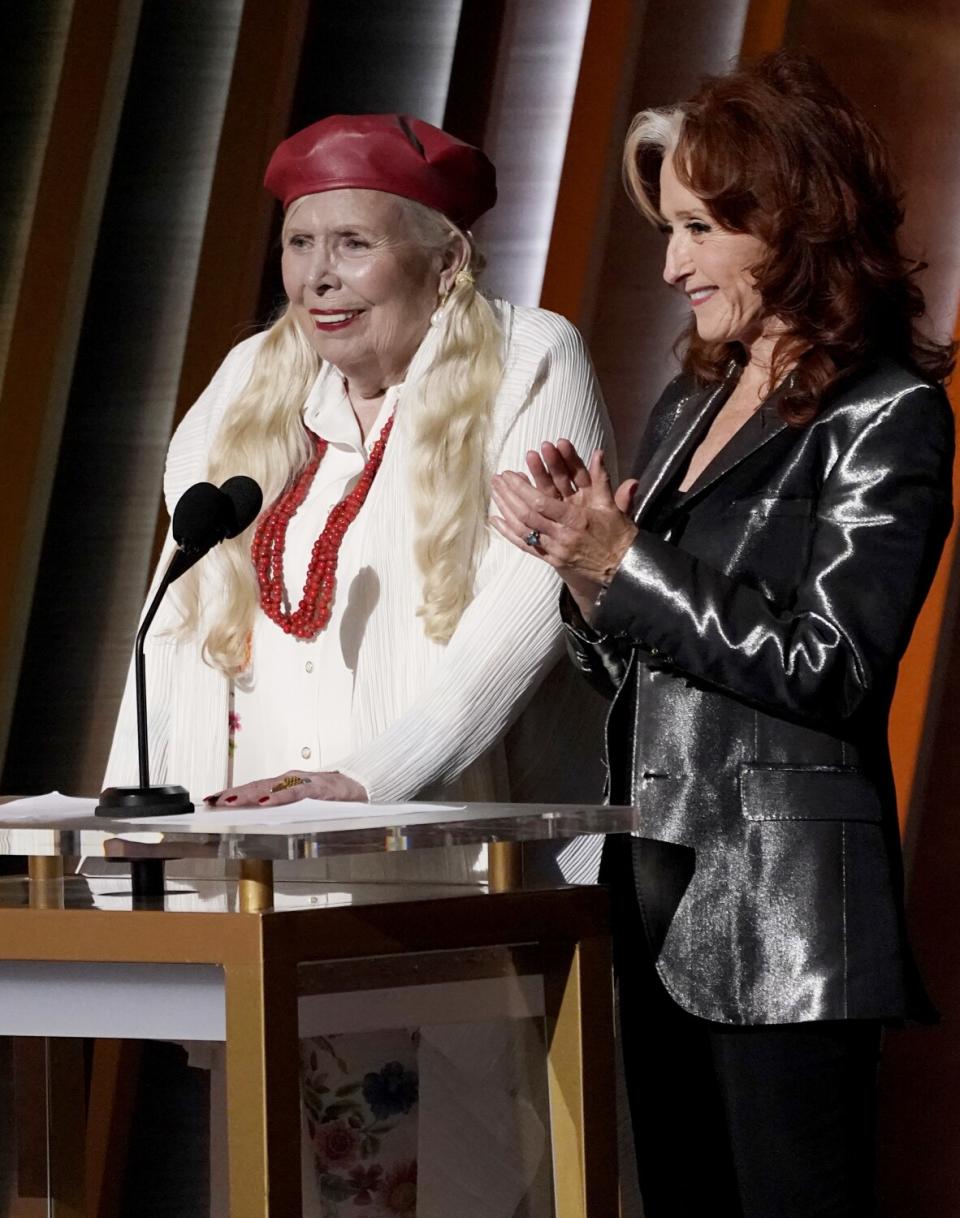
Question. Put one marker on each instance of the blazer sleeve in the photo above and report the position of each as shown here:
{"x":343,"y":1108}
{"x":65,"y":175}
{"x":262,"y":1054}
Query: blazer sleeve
{"x":509,"y":635}
{"x":882,"y":516}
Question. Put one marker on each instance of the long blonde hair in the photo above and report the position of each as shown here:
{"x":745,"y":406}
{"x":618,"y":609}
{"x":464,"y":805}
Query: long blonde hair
{"x":448,"y":413}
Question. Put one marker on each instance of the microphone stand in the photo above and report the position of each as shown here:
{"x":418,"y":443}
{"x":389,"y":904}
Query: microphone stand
{"x":146,"y":800}
{"x":203,"y":517}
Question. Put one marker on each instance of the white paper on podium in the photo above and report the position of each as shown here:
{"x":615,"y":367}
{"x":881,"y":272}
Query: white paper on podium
{"x":41,"y":809}
{"x":294,"y":816}
{"x":53,"y":806}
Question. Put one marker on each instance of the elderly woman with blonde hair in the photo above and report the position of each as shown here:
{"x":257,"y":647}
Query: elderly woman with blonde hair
{"x":369,"y":637}
{"x":366,"y":638}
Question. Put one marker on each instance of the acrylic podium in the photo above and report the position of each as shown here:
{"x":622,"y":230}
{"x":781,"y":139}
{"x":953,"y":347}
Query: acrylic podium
{"x":247,"y":972}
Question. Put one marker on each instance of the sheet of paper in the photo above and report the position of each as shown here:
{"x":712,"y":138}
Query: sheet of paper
{"x":288,"y":817}
{"x":50,"y":807}
{"x":54,"y":807}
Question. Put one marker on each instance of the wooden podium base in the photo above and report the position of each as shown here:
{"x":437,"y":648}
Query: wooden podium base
{"x":270,"y":959}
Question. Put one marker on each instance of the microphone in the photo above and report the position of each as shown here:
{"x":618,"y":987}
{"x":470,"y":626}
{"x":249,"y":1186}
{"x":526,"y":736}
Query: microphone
{"x":204,"y":516}
{"x":201,"y":517}
{"x":246,"y":499}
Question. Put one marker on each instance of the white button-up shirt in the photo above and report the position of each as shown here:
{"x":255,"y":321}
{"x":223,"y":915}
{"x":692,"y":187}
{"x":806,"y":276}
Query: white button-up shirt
{"x":297,"y":706}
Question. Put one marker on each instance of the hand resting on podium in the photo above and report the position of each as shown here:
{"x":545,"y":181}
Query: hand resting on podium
{"x":289,"y":787}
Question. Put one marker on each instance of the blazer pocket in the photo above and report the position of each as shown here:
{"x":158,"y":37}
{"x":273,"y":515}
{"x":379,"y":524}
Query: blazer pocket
{"x":769,"y":505}
{"x":784,"y":792}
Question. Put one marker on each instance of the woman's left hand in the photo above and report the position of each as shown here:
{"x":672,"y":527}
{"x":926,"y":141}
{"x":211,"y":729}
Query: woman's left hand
{"x":288,"y":788}
{"x":582,"y":525}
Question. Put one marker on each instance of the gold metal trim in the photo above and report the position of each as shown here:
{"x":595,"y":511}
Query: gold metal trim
{"x":263,"y":1081}
{"x":41,"y":867}
{"x":256,"y":885}
{"x":505,"y":866}
{"x":578,"y":993}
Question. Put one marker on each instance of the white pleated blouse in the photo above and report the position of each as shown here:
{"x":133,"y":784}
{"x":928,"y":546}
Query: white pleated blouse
{"x":293,"y":709}
{"x":372,"y":696}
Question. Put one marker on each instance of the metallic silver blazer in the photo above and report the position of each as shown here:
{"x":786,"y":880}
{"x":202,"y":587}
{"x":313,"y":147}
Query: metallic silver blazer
{"x":750,"y":653}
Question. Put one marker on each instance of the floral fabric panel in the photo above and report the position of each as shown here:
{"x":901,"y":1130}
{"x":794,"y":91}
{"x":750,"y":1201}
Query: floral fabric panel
{"x":360,"y":1108}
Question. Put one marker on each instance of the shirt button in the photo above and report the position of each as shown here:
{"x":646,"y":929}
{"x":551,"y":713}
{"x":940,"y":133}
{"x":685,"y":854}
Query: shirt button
{"x":309,"y":666}
{"x":306,"y":753}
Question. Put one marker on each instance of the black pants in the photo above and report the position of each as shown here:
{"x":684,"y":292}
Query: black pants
{"x":740,"y":1122}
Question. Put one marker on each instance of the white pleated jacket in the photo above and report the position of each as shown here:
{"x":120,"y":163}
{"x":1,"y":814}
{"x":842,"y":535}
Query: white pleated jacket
{"x":426,"y":718}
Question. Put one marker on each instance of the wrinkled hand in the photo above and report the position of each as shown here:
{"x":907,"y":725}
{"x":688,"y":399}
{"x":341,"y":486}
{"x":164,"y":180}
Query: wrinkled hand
{"x":583,"y":524}
{"x":270,"y":792}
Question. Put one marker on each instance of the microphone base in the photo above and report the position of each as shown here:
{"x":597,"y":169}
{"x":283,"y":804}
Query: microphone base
{"x":122,"y":803}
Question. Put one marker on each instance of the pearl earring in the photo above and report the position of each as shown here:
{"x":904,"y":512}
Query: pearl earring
{"x":436,"y":317}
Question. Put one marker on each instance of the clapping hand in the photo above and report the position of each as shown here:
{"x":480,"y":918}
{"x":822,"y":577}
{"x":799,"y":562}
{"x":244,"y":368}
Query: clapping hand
{"x":568,"y":515}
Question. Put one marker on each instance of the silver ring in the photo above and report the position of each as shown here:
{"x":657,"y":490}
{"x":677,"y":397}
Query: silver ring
{"x":532,"y":538}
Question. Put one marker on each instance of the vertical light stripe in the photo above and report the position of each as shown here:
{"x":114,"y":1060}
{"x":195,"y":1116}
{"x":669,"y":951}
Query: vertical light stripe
{"x":526,"y":139}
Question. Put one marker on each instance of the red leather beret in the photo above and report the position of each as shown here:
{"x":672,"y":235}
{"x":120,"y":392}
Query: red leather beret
{"x":390,"y":152}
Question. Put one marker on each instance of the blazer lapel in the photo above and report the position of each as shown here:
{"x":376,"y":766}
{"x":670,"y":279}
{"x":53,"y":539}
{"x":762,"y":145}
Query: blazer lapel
{"x":693,"y":418}
{"x":760,"y":428}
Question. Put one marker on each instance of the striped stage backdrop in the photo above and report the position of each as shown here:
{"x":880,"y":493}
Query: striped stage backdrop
{"x":137,"y":245}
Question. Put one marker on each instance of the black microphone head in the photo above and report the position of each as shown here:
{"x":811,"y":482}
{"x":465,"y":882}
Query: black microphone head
{"x":245,"y":498}
{"x":201,"y":517}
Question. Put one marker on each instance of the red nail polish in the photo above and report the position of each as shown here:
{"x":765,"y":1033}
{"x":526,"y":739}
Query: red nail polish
{"x":264,"y":799}
{"x":231,"y":799}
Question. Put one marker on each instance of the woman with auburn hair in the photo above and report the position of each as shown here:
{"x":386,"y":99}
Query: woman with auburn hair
{"x":744,"y":602}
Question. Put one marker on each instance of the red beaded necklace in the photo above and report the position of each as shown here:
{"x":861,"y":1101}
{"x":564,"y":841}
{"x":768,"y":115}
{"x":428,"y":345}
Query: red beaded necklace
{"x":269,"y":542}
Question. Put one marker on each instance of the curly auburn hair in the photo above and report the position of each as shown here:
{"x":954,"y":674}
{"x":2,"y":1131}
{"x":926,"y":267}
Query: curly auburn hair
{"x":775,"y":150}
